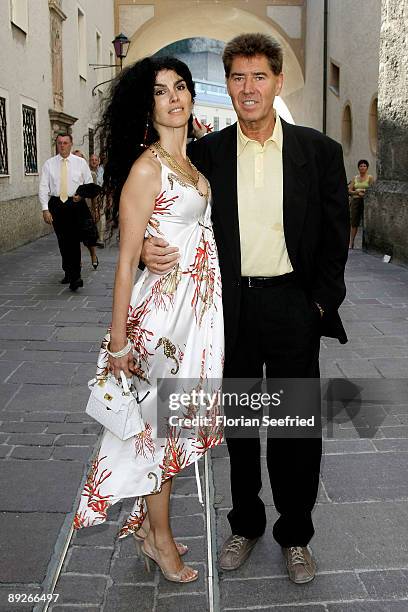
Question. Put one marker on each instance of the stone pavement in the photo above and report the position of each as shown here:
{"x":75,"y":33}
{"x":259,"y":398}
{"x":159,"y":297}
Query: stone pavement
{"x":48,"y":343}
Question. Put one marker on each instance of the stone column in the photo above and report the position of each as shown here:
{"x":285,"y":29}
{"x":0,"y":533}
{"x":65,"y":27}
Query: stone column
{"x":56,"y":19}
{"x":60,"y":121}
{"x":386,"y":205}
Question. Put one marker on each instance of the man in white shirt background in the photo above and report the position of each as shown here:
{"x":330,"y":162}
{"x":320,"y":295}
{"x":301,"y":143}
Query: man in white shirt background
{"x":61,"y":176}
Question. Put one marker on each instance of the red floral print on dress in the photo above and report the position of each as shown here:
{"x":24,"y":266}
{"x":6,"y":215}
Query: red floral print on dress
{"x":210,"y":431}
{"x":174,"y":458}
{"x":81,"y":520}
{"x":164,"y":289}
{"x":207,"y":437}
{"x":162,"y":207}
{"x":144,"y":442}
{"x":97,"y":502}
{"x":102,"y":368}
{"x":139,"y":337}
{"x":135,"y":519}
{"x":202,"y":272}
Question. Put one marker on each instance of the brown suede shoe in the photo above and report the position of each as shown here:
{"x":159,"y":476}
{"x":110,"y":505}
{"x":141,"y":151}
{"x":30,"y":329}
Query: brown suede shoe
{"x":235,"y":551}
{"x":300,"y":563}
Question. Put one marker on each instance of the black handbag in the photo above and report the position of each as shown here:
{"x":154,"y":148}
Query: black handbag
{"x":88,"y":190}
{"x":88,"y":232}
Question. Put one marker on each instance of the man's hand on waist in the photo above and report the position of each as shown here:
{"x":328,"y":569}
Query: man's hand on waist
{"x":158,"y":256}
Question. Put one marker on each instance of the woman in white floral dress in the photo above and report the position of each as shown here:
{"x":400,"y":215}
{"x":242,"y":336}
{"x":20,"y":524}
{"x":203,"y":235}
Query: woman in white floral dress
{"x":174,"y":322}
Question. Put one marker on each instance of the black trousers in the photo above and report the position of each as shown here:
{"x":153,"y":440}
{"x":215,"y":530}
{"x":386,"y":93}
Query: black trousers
{"x":67,"y":219}
{"x":279,"y":327}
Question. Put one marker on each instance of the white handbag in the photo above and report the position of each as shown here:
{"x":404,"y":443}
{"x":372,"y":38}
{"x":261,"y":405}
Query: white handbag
{"x":115,"y":406}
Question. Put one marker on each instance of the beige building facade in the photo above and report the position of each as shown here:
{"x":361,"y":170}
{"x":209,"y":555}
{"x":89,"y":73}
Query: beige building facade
{"x":353,"y":64}
{"x":45,"y":87}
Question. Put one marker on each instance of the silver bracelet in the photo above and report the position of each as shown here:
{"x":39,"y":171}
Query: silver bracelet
{"x":126,"y":349}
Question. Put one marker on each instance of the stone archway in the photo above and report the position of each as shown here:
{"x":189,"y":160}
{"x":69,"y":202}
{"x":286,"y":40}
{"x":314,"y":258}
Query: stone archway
{"x":166,"y":23}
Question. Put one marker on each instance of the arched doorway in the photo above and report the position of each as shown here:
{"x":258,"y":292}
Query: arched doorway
{"x":221,"y":22}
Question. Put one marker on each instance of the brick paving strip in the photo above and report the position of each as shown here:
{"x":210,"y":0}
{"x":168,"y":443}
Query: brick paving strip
{"x":48,"y":344}
{"x":49,"y":339}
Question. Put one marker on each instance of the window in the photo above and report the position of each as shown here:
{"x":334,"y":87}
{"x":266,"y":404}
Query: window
{"x":82,"y":62}
{"x":216,"y":124}
{"x":213,"y":88}
{"x":112,"y":63}
{"x":30,"y":140}
{"x":373,"y":126}
{"x":91,"y":140}
{"x":228,"y":121}
{"x":98,"y":48}
{"x":98,"y":52}
{"x":19,"y":14}
{"x":334,"y":79}
{"x":3,"y":138}
{"x":346,"y":128}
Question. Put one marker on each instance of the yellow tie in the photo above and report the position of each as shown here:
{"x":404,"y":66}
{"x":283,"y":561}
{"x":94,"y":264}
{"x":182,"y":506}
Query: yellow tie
{"x":64,"y":180}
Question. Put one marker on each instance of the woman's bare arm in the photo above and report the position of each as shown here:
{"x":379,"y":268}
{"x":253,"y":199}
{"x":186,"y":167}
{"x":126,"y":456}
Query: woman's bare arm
{"x":136,"y":206}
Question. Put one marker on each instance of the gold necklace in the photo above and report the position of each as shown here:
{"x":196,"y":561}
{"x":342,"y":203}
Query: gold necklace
{"x":176,"y":166}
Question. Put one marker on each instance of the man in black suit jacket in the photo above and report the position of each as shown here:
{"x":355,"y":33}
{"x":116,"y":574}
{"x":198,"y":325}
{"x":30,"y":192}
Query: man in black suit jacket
{"x":281,"y":223}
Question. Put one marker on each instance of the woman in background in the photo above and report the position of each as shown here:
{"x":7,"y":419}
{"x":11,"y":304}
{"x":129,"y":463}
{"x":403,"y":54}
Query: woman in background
{"x":357,"y":189}
{"x":90,"y":245}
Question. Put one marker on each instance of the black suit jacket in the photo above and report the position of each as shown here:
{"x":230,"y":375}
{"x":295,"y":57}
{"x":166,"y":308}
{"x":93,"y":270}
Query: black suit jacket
{"x":315,"y":218}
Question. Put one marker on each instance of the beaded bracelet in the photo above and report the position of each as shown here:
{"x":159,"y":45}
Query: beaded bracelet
{"x":126,"y":349}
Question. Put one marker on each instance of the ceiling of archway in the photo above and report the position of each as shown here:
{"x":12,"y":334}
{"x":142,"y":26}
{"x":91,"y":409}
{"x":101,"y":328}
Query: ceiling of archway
{"x":165,"y":26}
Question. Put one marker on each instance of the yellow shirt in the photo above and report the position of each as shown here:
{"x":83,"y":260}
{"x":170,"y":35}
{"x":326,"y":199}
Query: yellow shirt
{"x":260,"y":205}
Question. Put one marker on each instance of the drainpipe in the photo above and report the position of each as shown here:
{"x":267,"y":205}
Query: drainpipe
{"x":325,"y":20}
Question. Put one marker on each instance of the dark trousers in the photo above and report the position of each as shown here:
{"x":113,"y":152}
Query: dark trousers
{"x":279,"y":328}
{"x":66,"y":219}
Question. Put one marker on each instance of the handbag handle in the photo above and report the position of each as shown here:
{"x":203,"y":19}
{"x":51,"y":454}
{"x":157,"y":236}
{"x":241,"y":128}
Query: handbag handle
{"x":124,"y":382}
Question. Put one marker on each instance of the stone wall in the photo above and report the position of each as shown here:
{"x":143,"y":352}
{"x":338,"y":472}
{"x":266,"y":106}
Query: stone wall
{"x":21,"y":221}
{"x":39,"y":68}
{"x":386,"y":206}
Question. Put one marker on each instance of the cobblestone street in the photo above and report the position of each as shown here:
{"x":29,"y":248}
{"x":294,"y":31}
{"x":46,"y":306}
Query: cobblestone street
{"x":49,"y":338}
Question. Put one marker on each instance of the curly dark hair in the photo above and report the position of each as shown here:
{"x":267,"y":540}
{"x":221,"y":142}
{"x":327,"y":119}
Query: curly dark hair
{"x":122,"y":126}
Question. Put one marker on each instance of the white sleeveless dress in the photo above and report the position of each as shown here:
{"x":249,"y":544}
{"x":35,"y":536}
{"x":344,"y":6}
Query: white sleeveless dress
{"x":175,"y":324}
